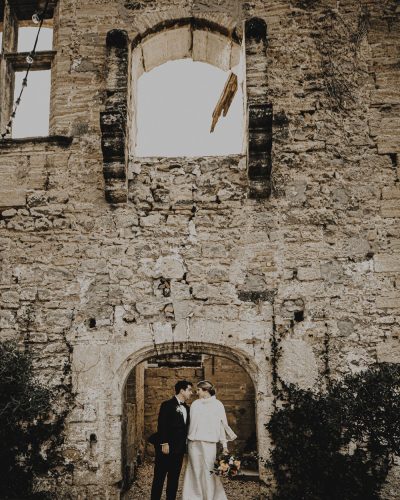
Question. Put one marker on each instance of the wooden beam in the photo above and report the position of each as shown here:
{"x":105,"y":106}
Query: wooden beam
{"x":42,"y":60}
{"x":225,"y":100}
{"x":24,"y":9}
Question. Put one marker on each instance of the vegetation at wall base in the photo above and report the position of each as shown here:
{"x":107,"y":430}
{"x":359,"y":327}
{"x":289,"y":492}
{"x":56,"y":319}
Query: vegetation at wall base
{"x":339,"y":444}
{"x":30,"y":429}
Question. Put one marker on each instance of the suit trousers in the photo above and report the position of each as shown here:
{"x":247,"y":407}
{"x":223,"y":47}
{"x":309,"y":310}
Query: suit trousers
{"x":166,"y":466}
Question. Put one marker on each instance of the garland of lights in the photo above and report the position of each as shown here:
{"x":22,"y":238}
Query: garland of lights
{"x":37,"y":18}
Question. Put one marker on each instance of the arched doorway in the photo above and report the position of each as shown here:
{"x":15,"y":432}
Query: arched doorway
{"x":151,"y":380}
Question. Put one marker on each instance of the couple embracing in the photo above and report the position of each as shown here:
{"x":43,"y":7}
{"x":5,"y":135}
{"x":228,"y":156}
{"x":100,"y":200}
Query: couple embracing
{"x":200,"y":427}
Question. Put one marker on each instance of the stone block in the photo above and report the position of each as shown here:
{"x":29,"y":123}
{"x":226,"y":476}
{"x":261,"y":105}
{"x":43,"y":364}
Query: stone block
{"x":212,"y":48}
{"x":171,"y":267}
{"x":386,"y":263}
{"x":137,"y":66}
{"x":296,"y":193}
{"x":152,"y":220}
{"x":332,"y":272}
{"x":162,"y":332}
{"x":308,"y":273}
{"x":388,"y":143}
{"x":390,"y":208}
{"x":391,"y":301}
{"x":345,"y":326}
{"x":151,"y":308}
{"x":9,"y":213}
{"x":385,"y":96}
{"x":12,"y":197}
{"x":166,"y":46}
{"x":297,"y":364}
{"x":388,"y":352}
{"x":391,"y":193}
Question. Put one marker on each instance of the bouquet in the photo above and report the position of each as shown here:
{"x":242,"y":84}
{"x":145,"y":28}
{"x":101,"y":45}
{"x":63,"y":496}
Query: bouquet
{"x":227,"y":466}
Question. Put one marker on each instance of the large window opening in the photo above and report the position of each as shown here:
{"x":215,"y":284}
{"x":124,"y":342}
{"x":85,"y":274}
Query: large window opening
{"x":32,"y":119}
{"x":26,"y":60}
{"x":27,"y":36}
{"x":187,"y":92}
{"x":33,"y":114}
{"x":175,"y":105}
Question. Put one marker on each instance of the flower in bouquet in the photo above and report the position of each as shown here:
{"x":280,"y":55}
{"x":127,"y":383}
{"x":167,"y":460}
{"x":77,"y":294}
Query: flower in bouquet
{"x":226,"y":466}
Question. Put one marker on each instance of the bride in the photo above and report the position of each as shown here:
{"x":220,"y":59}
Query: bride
{"x":208,"y":426}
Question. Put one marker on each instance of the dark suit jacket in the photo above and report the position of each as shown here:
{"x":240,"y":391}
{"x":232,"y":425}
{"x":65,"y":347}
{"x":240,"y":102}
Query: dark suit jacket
{"x":172,"y":428}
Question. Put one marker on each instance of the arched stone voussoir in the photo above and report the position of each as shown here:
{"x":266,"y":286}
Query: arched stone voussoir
{"x":196,"y":38}
{"x":235,"y":354}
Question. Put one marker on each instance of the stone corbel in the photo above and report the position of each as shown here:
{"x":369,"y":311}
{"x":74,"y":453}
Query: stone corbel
{"x":259,"y":109}
{"x":113,"y":121}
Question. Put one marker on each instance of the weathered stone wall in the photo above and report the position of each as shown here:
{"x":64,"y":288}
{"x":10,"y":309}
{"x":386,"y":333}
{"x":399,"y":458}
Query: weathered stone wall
{"x":190,"y":262}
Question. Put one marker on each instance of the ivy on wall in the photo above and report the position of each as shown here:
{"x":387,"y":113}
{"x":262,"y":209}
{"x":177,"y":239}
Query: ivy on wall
{"x":339,"y":444}
{"x":30,"y":427}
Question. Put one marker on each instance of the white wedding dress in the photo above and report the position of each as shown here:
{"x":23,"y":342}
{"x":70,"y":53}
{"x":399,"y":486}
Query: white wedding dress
{"x":208,"y":425}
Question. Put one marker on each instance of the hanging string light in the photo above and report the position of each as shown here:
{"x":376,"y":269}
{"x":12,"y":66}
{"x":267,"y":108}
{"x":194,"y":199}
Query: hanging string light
{"x":37,"y":18}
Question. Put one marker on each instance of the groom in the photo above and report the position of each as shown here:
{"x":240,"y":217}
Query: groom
{"x":170,"y":441}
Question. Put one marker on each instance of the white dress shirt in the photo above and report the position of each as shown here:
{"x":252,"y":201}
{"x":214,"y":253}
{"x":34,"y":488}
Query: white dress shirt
{"x":182,"y":409}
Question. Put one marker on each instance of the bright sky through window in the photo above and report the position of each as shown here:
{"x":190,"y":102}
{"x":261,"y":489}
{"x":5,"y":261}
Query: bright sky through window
{"x":174,"y":112}
{"x":27,"y":37}
{"x":32,"y":118}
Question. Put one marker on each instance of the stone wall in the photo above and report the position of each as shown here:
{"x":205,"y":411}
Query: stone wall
{"x":190,"y":262}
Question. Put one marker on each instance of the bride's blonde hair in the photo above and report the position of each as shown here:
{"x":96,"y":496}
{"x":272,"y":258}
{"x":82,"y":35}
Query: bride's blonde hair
{"x":206,"y":386}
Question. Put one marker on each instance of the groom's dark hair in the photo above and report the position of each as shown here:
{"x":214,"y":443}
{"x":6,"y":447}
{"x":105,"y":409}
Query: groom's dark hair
{"x":182,"y":384}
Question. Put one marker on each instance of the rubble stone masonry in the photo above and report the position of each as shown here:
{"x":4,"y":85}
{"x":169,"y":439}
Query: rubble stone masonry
{"x":307,"y":258}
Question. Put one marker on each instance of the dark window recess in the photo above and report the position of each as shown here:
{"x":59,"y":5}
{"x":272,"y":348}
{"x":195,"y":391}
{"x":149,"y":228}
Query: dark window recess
{"x":299,"y":316}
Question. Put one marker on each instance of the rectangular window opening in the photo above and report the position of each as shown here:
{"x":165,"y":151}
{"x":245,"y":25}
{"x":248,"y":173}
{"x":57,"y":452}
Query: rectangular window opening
{"x":32,"y":118}
{"x":27,"y":36}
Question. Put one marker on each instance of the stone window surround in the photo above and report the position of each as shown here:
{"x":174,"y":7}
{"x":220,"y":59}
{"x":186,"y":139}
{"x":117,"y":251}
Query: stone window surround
{"x":195,"y":38}
{"x":11,"y":60}
{"x":182,"y":39}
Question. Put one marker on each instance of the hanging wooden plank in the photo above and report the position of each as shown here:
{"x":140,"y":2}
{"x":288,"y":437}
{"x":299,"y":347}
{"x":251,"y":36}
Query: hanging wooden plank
{"x":225,"y":100}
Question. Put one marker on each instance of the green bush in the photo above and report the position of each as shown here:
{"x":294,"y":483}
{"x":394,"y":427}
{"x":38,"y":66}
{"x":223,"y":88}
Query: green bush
{"x":339,"y":444}
{"x":27,"y":425}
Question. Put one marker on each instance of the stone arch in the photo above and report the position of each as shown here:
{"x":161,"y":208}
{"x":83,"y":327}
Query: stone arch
{"x":195,"y":38}
{"x":235,"y":354}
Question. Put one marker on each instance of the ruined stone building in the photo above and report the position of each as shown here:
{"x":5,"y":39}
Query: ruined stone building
{"x":109,"y":260}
